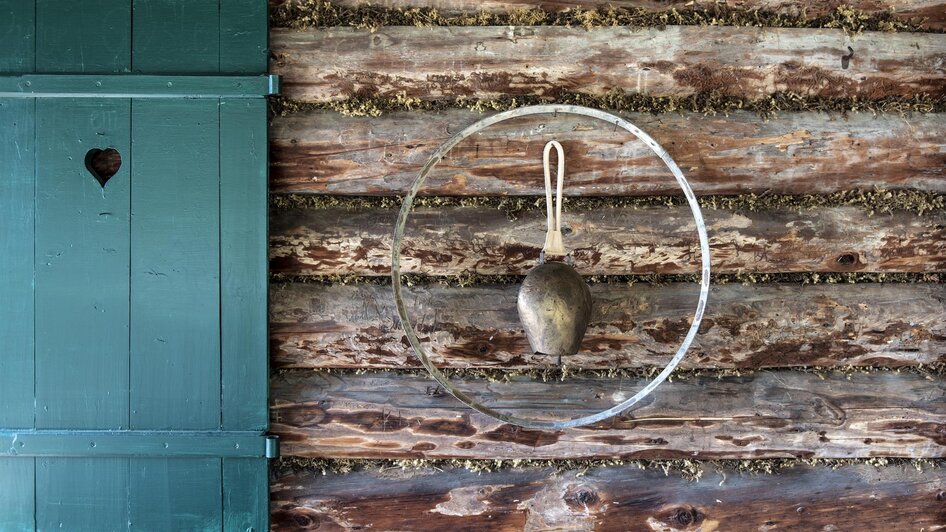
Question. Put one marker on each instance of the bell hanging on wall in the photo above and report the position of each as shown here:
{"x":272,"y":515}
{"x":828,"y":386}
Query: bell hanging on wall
{"x":554,"y":302}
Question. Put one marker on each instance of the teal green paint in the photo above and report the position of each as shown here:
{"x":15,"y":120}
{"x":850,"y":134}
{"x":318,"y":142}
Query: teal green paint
{"x":176,"y":36}
{"x":16,"y":262}
{"x":136,"y":443}
{"x":136,"y":86}
{"x":91,"y":36}
{"x":179,"y":494}
{"x":81,"y":494}
{"x":244,"y":36}
{"x":175,"y":268}
{"x":81,"y":254}
{"x":151,"y":321}
{"x":16,"y":494}
{"x":245,"y":494}
{"x":243,"y":247}
{"x":17,"y":36}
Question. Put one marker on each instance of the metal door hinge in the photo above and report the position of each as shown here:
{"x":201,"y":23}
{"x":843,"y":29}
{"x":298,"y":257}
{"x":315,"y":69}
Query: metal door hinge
{"x":272,"y":446}
{"x":136,"y":86}
{"x":141,"y":443}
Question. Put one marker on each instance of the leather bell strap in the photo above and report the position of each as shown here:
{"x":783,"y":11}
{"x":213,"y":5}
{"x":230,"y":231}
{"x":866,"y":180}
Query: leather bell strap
{"x":553,"y":238}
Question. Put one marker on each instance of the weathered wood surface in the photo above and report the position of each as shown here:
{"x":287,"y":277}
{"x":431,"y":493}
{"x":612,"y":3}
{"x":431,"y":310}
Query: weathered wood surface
{"x":621,"y":498}
{"x":449,"y":62}
{"x":932,"y":13}
{"x":617,"y":240}
{"x":641,"y":325}
{"x":778,"y":414}
{"x":325,"y":153}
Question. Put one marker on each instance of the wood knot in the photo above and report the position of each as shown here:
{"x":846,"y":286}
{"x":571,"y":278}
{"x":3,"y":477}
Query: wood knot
{"x":582,"y":499}
{"x":685,"y":517}
{"x":296,"y":518}
{"x":302,"y":520}
{"x":850,"y":261}
{"x":847,"y":259}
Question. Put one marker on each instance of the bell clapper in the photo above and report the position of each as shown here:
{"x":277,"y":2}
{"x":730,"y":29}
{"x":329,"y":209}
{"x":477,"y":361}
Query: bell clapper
{"x":554,"y":302}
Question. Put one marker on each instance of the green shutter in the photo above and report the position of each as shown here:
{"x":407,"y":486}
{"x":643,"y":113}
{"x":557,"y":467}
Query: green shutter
{"x":133,"y":381}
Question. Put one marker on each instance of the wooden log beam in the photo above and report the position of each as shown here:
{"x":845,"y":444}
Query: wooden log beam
{"x":313,"y":326}
{"x":930,"y":13}
{"x":615,"y":240}
{"x":325,"y":153}
{"x":779,"y":414}
{"x":857,"y":497}
{"x":485,"y":62}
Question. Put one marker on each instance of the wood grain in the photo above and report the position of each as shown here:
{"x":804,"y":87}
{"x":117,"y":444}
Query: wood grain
{"x":812,"y":153}
{"x":617,"y":240}
{"x":620,"y":498}
{"x":484,"y":62}
{"x":932,"y":13}
{"x":751,"y":326}
{"x":778,"y":414}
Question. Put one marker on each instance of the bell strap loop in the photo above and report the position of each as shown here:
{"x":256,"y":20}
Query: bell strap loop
{"x":553,"y":238}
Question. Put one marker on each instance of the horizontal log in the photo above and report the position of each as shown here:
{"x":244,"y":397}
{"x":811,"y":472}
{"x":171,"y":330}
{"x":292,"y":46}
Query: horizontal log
{"x":615,"y":240}
{"x":314,"y":326}
{"x":859,"y":497}
{"x":798,"y":153}
{"x":485,"y":62}
{"x":929,"y":13}
{"x":780,"y":414}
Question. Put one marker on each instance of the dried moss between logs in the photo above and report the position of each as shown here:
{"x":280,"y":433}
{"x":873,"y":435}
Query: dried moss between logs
{"x":475,"y":279}
{"x":874,"y":201}
{"x":689,"y":469}
{"x":301,"y":14}
{"x":709,"y":103}
{"x":562,"y":373}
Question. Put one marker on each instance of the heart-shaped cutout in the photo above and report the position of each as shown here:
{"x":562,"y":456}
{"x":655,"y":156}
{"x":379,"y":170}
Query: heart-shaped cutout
{"x":103,"y":164}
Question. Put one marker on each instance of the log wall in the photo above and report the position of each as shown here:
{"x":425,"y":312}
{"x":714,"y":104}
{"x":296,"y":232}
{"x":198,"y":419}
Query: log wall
{"x":760,"y":326}
{"x":322,"y":152}
{"x":488,"y":62}
{"x":612,"y":498}
{"x":788,"y":372}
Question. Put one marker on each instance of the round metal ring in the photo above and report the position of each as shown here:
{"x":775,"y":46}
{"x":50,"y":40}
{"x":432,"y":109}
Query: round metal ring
{"x":399,"y":237}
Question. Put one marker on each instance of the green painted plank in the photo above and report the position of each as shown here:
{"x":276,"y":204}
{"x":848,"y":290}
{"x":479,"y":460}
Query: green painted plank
{"x":16,"y":262}
{"x":82,"y":234}
{"x":175,"y":270}
{"x":136,"y":86}
{"x":89,"y":36}
{"x":243,"y":233}
{"x":17,"y":494}
{"x":81,"y":494}
{"x":132,"y":443}
{"x":17,"y":36}
{"x":176,"y":36}
{"x":246,"y":494}
{"x":179,"y":494}
{"x":244,"y":37}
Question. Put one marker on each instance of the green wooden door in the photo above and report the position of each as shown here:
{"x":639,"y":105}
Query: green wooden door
{"x":133,"y":370}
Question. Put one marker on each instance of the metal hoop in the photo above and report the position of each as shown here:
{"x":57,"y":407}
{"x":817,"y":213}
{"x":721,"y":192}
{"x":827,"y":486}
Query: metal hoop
{"x":399,"y":237}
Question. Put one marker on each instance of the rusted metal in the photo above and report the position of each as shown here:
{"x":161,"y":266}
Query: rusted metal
{"x":555,"y":307}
